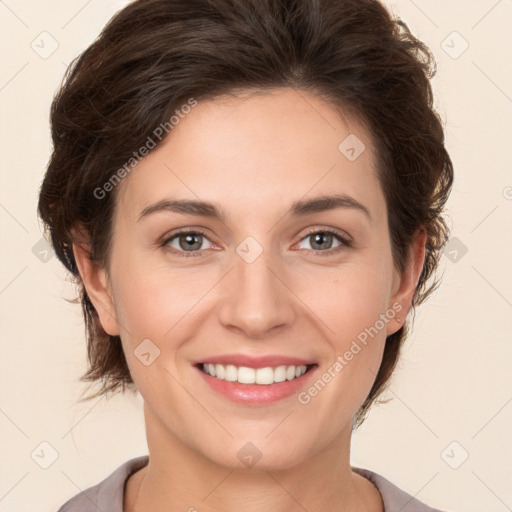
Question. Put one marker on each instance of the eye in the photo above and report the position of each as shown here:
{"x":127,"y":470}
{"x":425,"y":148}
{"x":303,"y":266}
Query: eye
{"x":191,"y":241}
{"x":188,"y":241}
{"x":322,"y":241}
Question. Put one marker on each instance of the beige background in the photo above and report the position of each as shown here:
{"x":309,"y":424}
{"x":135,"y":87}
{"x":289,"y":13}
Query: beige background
{"x":454,"y":382}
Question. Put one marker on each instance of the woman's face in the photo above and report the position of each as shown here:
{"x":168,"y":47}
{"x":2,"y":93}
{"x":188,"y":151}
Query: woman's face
{"x":265,"y":286}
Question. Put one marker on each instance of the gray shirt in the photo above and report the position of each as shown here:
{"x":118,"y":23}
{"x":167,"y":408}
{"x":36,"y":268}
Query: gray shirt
{"x":107,"y":496}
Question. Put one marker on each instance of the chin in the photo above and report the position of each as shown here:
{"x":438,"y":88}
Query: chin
{"x":250,"y":459}
{"x":258,"y":454}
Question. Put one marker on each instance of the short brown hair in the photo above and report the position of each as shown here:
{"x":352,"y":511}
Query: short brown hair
{"x":153,"y":55}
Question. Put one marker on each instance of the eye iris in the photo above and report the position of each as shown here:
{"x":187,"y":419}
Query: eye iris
{"x":320,"y":238}
{"x":190,"y":243}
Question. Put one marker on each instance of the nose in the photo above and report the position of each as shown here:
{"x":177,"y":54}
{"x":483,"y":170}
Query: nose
{"x":257,"y":299}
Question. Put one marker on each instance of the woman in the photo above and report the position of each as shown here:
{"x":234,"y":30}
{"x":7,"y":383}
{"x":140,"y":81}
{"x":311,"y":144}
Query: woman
{"x":249,"y":194}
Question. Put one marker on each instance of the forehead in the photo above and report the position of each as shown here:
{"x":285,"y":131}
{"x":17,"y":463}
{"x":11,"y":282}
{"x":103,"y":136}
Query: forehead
{"x":257,"y":152}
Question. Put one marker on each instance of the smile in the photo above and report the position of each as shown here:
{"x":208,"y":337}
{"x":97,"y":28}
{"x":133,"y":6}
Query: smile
{"x":246,"y":375}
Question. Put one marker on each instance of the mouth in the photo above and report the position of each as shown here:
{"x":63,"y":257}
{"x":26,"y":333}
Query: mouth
{"x":255,"y":380}
{"x":265,"y":376}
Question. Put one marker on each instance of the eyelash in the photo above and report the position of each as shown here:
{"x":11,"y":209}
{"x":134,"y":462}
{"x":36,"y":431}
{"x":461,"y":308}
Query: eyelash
{"x":345,"y":242}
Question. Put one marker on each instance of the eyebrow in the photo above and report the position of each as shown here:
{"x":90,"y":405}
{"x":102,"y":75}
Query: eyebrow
{"x":299,"y":208}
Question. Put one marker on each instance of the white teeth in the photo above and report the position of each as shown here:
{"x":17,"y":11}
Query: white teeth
{"x":220,"y":371}
{"x":231,"y":373}
{"x":246,"y":375}
{"x":280,"y":374}
{"x":264,"y":376}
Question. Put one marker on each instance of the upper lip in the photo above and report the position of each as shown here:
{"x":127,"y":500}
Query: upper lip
{"x":255,"y":361}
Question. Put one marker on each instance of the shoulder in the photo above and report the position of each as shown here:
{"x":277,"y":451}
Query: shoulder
{"x":394,"y":498}
{"x":107,"y":494}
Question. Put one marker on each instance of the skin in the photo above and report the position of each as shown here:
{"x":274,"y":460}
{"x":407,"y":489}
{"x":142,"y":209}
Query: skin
{"x":253,"y":155}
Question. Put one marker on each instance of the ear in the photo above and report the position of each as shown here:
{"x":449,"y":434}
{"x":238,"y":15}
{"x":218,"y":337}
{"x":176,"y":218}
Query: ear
{"x":97,"y":286}
{"x":404,"y":285}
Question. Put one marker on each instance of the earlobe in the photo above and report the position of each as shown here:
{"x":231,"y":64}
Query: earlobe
{"x":97,"y":286}
{"x":401,"y":301}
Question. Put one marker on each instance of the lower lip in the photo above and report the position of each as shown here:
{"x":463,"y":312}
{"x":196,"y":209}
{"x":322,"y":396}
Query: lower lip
{"x":257,"y":394}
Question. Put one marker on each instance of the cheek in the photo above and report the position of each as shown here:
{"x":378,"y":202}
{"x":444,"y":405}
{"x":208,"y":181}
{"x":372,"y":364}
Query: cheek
{"x":349,"y":299}
{"x":151,"y":297}
{"x":352,"y":308}
{"x":162,"y":305}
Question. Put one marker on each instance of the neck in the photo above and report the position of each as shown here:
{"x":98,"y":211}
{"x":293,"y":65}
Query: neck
{"x":180,"y":478}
